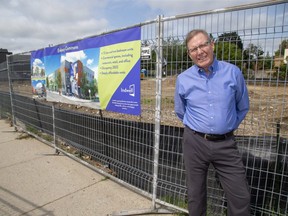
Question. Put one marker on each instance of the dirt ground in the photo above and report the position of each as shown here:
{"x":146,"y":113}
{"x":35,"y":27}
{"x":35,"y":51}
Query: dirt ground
{"x":268,"y":106}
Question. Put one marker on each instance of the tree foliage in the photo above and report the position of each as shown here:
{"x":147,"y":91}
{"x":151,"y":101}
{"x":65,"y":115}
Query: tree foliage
{"x":228,"y":47}
{"x":282,"y":68}
{"x":253,"y":52}
{"x":228,"y":52}
{"x":282,"y":72}
{"x":59,"y":80}
{"x":47,"y":83}
{"x":231,"y":37}
{"x":42,"y":73}
{"x":175,"y":52}
{"x":282,"y":47}
{"x":88,"y":88}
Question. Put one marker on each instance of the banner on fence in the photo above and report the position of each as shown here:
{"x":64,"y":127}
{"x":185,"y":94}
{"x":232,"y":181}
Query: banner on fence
{"x":38,"y":73}
{"x":101,"y":72}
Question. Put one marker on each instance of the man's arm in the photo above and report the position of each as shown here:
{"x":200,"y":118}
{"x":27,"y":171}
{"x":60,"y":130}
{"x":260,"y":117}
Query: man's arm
{"x":179,"y":102}
{"x":242,"y":100}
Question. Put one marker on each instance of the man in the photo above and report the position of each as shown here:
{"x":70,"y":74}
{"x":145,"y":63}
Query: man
{"x":211,"y":99}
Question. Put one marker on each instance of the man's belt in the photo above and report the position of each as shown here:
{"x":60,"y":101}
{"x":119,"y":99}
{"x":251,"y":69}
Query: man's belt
{"x":215,"y":137}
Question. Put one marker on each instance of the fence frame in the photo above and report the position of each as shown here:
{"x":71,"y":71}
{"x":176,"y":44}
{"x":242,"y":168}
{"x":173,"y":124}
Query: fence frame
{"x":160,"y":64}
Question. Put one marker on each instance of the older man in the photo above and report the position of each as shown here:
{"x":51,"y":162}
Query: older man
{"x":211,"y":99}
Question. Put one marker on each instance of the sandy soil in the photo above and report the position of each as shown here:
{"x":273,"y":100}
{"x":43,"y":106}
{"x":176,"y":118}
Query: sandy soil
{"x":268,"y":106}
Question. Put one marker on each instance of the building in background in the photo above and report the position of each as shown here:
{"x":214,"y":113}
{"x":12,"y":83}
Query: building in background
{"x":3,"y":53}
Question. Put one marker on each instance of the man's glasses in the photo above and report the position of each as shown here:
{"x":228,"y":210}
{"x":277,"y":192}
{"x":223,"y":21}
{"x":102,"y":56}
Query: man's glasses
{"x":201,"y":46}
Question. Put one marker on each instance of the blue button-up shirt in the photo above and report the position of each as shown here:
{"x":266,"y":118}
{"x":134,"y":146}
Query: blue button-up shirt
{"x":214,"y":104}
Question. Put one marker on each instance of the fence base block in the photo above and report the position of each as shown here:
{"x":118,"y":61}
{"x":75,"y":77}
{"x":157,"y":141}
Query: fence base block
{"x":143,"y":212}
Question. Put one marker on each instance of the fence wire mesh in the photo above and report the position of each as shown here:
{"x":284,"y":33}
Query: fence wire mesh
{"x":254,"y":37}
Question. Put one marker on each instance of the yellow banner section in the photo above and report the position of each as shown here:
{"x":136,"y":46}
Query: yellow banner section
{"x":115,"y":62}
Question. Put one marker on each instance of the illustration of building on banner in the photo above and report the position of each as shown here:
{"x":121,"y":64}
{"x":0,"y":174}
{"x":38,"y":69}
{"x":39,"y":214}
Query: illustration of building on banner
{"x":73,"y":79}
{"x":96,"y":72}
{"x":38,"y":78}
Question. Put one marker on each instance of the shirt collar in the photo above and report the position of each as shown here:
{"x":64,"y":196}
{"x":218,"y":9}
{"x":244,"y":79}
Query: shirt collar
{"x":212,"y":68}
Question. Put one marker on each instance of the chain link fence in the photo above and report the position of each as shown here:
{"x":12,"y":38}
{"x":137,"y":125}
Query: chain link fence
{"x":144,"y":152}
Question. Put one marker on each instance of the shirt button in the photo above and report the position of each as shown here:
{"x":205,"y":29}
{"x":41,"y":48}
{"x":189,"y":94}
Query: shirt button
{"x":211,"y":117}
{"x":210,"y":105}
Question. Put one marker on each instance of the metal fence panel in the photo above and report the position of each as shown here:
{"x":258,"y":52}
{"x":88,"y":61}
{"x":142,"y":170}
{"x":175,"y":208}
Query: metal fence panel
{"x":253,"y":38}
{"x":145,"y":151}
{"x":5,"y":102}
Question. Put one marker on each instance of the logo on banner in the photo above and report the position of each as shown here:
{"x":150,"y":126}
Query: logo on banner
{"x":130,"y":90}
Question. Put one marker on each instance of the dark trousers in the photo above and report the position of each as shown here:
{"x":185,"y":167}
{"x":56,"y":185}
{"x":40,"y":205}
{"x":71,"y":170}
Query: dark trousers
{"x":225,"y":157}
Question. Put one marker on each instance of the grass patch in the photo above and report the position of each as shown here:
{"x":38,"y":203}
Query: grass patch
{"x":39,"y":133}
{"x":176,"y":202}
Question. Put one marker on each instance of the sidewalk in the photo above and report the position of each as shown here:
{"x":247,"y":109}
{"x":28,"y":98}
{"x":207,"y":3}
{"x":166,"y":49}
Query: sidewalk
{"x":35,"y":181}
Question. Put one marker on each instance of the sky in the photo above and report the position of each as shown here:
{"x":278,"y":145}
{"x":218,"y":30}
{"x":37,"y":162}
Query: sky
{"x":28,"y":25}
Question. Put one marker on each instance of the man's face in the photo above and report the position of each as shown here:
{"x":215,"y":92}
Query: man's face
{"x":200,"y":50}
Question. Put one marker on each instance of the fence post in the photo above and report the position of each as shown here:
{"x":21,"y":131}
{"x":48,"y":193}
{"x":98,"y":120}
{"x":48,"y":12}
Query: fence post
{"x":10,"y":91}
{"x":54,"y":130}
{"x":159,"y":63}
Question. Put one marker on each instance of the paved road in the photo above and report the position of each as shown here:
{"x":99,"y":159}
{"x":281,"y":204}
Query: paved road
{"x":54,"y":96}
{"x":34,"y":181}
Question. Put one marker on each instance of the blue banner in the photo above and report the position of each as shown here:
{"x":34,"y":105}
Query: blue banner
{"x":101,"y":72}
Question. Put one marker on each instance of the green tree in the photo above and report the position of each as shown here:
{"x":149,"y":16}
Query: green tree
{"x":282,"y":67}
{"x":252,"y":55}
{"x":282,"y":47}
{"x":59,"y":81}
{"x":265,"y":62}
{"x":231,"y":37}
{"x":282,"y":71}
{"x":229,"y":52}
{"x":175,"y":58}
{"x":84,"y":85}
{"x":175,"y":53}
{"x":37,"y":71}
{"x":42,"y":73}
{"x":47,"y":83}
{"x":95,"y":87}
{"x":228,"y":47}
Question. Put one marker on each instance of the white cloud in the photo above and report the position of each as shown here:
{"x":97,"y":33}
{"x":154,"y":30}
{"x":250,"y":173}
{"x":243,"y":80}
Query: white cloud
{"x":30,"y":25}
{"x":171,"y":8}
{"x":90,"y":62}
{"x":39,"y":85}
{"x":74,"y":56}
{"x":38,"y":62}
